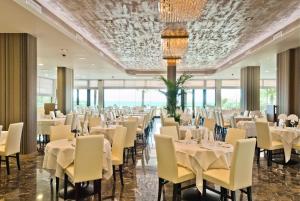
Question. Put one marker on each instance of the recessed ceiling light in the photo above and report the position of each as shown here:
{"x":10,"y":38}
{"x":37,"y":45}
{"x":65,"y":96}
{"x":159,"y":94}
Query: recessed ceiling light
{"x":41,"y":64}
{"x":93,"y":64}
{"x":82,"y":58}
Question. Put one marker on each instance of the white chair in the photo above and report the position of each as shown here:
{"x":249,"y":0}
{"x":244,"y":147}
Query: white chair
{"x":176,"y":124}
{"x":87,"y":164}
{"x":169,"y":131}
{"x":168,"y":170}
{"x":60,"y":132}
{"x":69,"y":119}
{"x":265,"y":141}
{"x":130,"y":137}
{"x":11,"y":145}
{"x":94,"y":121}
{"x":52,"y":115}
{"x":235,"y":134}
{"x":210,"y":124}
{"x":118,"y":150}
{"x":239,"y":176}
{"x":246,"y":113}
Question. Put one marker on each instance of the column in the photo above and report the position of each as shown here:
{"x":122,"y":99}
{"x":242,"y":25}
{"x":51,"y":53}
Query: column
{"x":250,"y":88}
{"x":18,"y":75}
{"x":288,"y":82}
{"x":64,"y":92}
{"x":100,"y":94}
{"x":218,"y":87}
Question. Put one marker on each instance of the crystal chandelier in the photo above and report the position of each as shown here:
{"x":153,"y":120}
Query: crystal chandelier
{"x":174,"y":43}
{"x":180,"y":10}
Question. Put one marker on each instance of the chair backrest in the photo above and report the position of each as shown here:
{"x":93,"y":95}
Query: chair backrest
{"x":119,"y":142}
{"x":264,"y":137}
{"x":166,"y":157}
{"x":75,"y":120}
{"x":232,"y":122}
{"x":13,"y":140}
{"x":246,"y":113}
{"x":168,"y":120}
{"x":133,"y":119}
{"x":169,"y":131}
{"x":52,"y":114}
{"x":94,"y":121}
{"x":60,"y":132}
{"x":241,"y":164}
{"x":69,"y":119}
{"x":176,"y":124}
{"x":1,"y":127}
{"x":88,"y":158}
{"x":210,"y":124}
{"x":235,"y":134}
{"x":131,"y":132}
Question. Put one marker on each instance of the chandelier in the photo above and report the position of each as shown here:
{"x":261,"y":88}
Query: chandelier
{"x":180,"y":10}
{"x":174,"y":43}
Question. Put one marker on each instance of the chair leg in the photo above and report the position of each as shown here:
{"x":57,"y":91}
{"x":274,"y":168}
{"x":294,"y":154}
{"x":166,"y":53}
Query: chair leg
{"x":57,"y":184}
{"x":176,"y":188}
{"x":204,"y":188}
{"x":160,"y":186}
{"x":225,"y":194}
{"x":233,"y":197}
{"x":269,"y":158}
{"x":99,"y":188}
{"x":114,"y":172}
{"x":18,"y":161}
{"x":65,"y":186}
{"x":77,"y":189}
{"x":7,"y":164}
{"x":249,"y":193}
{"x":257,"y":155}
{"x":132,"y":155}
{"x":135,"y":147}
{"x":121,"y":174}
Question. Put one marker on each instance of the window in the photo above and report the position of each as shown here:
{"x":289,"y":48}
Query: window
{"x":153,"y":97}
{"x":198,"y":97}
{"x":267,"y":97}
{"x":230,"y":98}
{"x":45,"y":91}
{"x":93,"y":97}
{"x":210,"y":98}
{"x":82,"y":97}
{"x":189,"y":98}
{"x":122,"y":97}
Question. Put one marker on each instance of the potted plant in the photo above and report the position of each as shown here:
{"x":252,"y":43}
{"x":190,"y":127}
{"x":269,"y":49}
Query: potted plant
{"x":172,"y":92}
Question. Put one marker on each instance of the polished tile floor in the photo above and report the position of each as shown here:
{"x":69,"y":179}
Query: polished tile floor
{"x":277,"y":183}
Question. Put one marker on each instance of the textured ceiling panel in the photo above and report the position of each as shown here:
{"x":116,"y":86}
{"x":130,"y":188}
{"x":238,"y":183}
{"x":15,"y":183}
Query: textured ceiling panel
{"x":129,"y":31}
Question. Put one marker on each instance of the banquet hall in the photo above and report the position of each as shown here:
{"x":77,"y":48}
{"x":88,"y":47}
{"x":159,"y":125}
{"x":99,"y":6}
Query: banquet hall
{"x":149,"y":100}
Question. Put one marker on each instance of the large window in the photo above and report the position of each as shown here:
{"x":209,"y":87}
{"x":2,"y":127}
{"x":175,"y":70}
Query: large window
{"x":122,"y":97}
{"x":230,"y":98}
{"x":199,"y":98}
{"x":45,"y":91}
{"x":267,"y":93}
{"x":83,"y":97}
{"x":153,"y":97}
{"x":189,"y":99}
{"x":93,"y":97}
{"x":210,"y":97}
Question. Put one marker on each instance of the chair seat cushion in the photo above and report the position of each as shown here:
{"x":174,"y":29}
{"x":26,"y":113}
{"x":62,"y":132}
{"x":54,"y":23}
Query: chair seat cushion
{"x":2,"y":150}
{"x":116,"y":161}
{"x":70,"y":171}
{"x":184,"y":174}
{"x":218,"y":176}
{"x":139,"y":131}
{"x":276,"y":145}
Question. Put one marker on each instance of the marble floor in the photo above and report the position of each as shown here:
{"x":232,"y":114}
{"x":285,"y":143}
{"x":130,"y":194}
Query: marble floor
{"x":277,"y":183}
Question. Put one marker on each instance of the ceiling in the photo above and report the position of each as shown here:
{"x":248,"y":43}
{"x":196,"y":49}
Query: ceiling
{"x":90,"y":63}
{"x":129,"y":31}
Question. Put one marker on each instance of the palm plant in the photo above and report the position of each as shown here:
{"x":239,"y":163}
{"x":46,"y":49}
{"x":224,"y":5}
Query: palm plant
{"x":173,"y":91}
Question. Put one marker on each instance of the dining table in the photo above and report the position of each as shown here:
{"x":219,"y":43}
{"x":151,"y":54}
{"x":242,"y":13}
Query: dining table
{"x":188,"y":132}
{"x":107,"y":130}
{"x":60,"y":154}
{"x":199,"y":157}
{"x":288,"y":136}
{"x":43,"y":125}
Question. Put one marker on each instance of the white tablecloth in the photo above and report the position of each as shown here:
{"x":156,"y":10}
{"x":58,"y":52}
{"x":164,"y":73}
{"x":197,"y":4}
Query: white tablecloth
{"x":186,"y":132}
{"x":43,"y":125}
{"x":288,"y":136}
{"x":108,"y":132}
{"x":249,"y":126}
{"x":199,"y":158}
{"x":60,"y":154}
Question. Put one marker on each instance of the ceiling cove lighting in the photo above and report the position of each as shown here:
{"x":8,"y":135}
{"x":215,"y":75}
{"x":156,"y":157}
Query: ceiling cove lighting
{"x":180,"y":10}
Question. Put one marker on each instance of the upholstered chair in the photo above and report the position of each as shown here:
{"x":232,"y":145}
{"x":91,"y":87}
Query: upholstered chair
{"x":130,"y":137}
{"x":69,"y":119}
{"x":168,"y":170}
{"x":60,"y":132}
{"x":235,"y":134}
{"x":176,"y":124}
{"x":11,"y":144}
{"x":210,"y":124}
{"x":239,"y":176}
{"x":169,"y":131}
{"x":265,"y":141}
{"x":87,"y":164}
{"x":94,"y":121}
{"x":118,"y":150}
